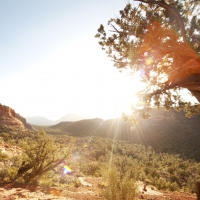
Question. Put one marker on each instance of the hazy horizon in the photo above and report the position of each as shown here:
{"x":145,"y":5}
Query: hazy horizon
{"x":84,"y":115}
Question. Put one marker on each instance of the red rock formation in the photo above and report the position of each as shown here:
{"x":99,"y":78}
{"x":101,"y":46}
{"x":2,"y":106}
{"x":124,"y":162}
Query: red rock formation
{"x":23,"y":120}
{"x":9,"y":118}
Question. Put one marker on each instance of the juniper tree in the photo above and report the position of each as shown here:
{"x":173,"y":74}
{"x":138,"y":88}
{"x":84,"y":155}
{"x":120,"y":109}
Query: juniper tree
{"x":41,"y":155}
{"x":160,"y":39}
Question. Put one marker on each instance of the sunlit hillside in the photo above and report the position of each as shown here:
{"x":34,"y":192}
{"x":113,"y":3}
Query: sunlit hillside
{"x":109,"y":153}
{"x":165,"y":131}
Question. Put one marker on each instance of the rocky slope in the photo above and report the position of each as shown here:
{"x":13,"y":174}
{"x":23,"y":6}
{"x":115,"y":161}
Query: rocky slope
{"x":10,"y":120}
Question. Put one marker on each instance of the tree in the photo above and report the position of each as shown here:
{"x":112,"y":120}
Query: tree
{"x":41,"y":155}
{"x":160,"y":40}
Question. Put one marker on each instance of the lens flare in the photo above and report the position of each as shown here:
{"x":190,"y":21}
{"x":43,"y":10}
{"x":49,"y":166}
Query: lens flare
{"x":141,"y":73}
{"x":149,"y":61}
{"x":66,"y":169}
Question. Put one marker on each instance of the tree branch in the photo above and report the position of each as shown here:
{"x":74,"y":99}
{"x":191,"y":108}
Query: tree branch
{"x":172,"y":10}
{"x":126,"y":33}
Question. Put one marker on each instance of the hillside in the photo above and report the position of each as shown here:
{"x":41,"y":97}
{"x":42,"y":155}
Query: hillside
{"x":72,"y":117}
{"x":166,"y":131}
{"x":90,"y":157}
{"x":10,"y":120}
{"x":84,"y":127}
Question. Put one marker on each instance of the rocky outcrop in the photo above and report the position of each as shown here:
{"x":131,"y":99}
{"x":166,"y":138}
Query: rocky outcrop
{"x":10,"y":119}
{"x":23,"y":120}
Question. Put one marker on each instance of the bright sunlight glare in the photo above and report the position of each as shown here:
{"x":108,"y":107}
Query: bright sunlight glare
{"x":64,"y":83}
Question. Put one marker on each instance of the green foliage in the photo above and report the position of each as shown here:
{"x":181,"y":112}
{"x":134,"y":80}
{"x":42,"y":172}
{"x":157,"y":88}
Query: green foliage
{"x":10,"y":174}
{"x":67,"y":180}
{"x":9,"y":169}
{"x":50,"y":178}
{"x":140,"y":163}
{"x":77,"y":183}
{"x":169,"y":132}
{"x":41,"y":155}
{"x":119,"y":186}
{"x":3,"y":157}
{"x":157,"y":39}
{"x":120,"y":163}
{"x":93,"y":169}
{"x":5,"y":136}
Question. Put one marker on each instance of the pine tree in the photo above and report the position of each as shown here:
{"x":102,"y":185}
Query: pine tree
{"x":160,"y":40}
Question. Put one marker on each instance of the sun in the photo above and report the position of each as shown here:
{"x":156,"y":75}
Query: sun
{"x":122,"y":95}
{"x":86,"y":86}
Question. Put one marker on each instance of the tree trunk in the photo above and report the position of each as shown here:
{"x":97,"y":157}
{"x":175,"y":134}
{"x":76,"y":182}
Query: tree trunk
{"x":198,"y":189}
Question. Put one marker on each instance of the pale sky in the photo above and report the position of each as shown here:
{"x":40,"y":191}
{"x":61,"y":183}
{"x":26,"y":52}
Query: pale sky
{"x":51,"y":64}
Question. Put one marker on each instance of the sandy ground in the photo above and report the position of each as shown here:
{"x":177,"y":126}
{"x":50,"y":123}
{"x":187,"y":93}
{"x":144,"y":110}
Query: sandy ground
{"x":88,"y":191}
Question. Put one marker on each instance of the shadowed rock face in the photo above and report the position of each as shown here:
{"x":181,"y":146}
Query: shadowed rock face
{"x":8,"y":117}
{"x":23,"y":120}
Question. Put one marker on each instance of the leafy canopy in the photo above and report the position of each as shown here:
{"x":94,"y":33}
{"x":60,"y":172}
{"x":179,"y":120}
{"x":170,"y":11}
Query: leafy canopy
{"x":160,"y":39}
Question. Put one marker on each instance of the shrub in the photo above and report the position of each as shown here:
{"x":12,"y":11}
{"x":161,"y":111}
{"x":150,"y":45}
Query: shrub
{"x":93,"y":168}
{"x":119,"y":186}
{"x":40,"y":156}
{"x":10,"y":174}
{"x":3,"y":157}
{"x":77,"y":183}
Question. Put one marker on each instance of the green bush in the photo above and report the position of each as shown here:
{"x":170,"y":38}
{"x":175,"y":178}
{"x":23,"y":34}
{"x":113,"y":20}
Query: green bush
{"x":77,"y":183}
{"x":10,"y":174}
{"x":93,"y":168}
{"x":3,"y":157}
{"x":41,"y":155}
{"x":119,"y":186}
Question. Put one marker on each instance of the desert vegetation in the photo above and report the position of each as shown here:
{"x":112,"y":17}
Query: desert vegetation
{"x":44,"y":156}
{"x":156,"y":41}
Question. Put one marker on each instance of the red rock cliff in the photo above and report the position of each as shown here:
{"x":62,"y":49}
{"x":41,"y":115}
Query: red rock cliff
{"x":8,"y":117}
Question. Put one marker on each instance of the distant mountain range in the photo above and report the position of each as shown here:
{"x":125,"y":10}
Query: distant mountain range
{"x":167,"y":131}
{"x":71,"y":117}
{"x":40,"y":121}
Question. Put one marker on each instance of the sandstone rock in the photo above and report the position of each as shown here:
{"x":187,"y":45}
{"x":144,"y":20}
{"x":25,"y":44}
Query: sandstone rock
{"x":11,"y":120}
